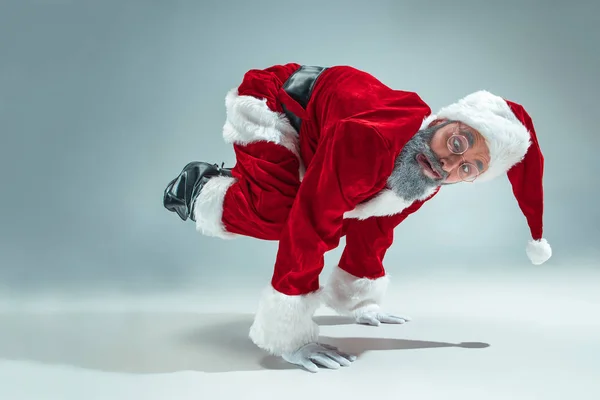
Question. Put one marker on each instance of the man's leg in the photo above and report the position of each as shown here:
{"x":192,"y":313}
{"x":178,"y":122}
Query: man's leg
{"x":254,"y":197}
{"x":251,"y":199}
{"x":180,"y":195}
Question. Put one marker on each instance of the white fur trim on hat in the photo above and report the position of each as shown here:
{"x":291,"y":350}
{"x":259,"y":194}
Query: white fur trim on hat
{"x":506,"y":137}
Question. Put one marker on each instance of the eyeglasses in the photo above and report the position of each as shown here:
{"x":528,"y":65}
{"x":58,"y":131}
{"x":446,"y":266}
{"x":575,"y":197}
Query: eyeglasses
{"x":458,"y":144}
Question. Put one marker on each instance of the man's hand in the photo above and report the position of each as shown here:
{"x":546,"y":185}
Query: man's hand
{"x":326,"y":355}
{"x":377,"y":317}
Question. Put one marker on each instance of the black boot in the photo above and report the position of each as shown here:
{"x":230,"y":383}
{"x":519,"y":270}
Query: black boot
{"x":181,"y":192}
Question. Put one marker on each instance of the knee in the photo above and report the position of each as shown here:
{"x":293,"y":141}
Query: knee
{"x":274,"y":219}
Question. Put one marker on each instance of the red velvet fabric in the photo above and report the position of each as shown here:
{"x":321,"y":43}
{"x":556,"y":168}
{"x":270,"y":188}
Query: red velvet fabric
{"x":259,"y":203}
{"x":367,"y":242}
{"x":354,"y":129}
{"x":267,"y":83}
{"x":350,"y":166}
{"x":526,"y":177}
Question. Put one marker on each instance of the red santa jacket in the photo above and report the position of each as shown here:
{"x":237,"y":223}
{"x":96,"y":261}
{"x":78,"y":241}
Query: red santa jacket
{"x":353,"y":130}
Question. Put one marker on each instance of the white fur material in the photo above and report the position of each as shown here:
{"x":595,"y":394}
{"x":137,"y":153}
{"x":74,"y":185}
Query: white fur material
{"x":208,"y":207}
{"x":249,"y":119}
{"x":349,"y":295}
{"x":507,"y":138}
{"x":538,"y":251}
{"x":385,"y":203}
{"x":283,"y":323}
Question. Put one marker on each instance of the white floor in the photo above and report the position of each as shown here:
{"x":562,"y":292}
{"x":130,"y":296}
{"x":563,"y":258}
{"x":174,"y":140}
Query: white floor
{"x":533,"y":334}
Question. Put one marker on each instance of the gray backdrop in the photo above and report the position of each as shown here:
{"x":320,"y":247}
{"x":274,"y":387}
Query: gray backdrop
{"x":102,"y":102}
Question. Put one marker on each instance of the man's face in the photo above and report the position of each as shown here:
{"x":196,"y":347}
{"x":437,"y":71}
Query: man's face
{"x":429,"y":159}
{"x":447,"y":141}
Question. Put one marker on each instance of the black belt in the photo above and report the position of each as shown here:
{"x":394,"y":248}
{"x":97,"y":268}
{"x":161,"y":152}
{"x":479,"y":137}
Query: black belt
{"x":299,"y":86}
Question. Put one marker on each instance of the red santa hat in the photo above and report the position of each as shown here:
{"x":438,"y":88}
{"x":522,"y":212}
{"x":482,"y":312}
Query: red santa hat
{"x":514,"y":151}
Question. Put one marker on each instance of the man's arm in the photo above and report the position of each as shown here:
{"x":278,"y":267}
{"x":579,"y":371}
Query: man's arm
{"x":359,"y":282}
{"x":349,"y":166}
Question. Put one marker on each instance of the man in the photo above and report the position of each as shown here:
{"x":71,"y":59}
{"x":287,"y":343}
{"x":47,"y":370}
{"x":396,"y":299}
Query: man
{"x":323,"y":153}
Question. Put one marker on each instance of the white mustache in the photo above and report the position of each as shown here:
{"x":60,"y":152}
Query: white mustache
{"x":435,"y":163}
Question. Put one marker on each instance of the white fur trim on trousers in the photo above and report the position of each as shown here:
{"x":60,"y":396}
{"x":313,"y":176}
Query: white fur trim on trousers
{"x":284,"y":323}
{"x":208,"y":207}
{"x":350,"y":295}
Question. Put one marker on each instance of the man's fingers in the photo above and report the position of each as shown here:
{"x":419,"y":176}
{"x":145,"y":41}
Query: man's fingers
{"x":392,"y":319}
{"x":324,"y":360}
{"x":339,"y":358}
{"x":315,"y":355}
{"x":349,"y":357}
{"x":309,"y":365}
{"x":368,"y":320}
{"x":375,"y":319}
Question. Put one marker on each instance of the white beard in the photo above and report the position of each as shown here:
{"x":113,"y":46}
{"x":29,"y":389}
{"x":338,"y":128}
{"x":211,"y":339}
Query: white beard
{"x":408,"y":180}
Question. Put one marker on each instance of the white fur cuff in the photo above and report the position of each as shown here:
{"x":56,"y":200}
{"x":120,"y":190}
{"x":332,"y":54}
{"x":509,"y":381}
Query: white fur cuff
{"x":284,"y":323}
{"x":208,"y":208}
{"x":249,"y":119}
{"x":349,"y":295}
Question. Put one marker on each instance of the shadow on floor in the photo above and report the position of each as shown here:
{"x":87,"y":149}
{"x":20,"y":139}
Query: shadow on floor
{"x":144,"y":343}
